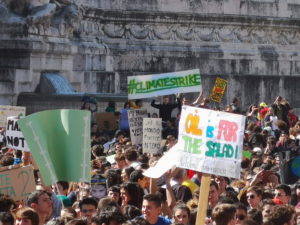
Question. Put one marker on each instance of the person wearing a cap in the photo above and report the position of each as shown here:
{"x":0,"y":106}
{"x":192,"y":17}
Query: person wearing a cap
{"x":262,"y":111}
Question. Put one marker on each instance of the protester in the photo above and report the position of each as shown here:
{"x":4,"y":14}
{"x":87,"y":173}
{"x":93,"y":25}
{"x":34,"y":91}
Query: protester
{"x":42,"y":203}
{"x":181,"y":214}
{"x":27,"y":216}
{"x":88,"y":208}
{"x":166,"y":108}
{"x":6,"y":218}
{"x":224,"y":214}
{"x":151,"y":210}
{"x":120,"y":192}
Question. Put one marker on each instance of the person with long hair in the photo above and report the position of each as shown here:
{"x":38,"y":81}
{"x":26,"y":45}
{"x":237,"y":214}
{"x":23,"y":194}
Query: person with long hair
{"x":131,"y":194}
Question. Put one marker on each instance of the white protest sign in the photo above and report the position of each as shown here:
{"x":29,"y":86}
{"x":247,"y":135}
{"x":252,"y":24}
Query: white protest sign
{"x":168,"y":161}
{"x":14,"y":136}
{"x":7,"y":111}
{"x":152,"y":135}
{"x":164,"y":84}
{"x":211,"y":141}
{"x":135,"y":119}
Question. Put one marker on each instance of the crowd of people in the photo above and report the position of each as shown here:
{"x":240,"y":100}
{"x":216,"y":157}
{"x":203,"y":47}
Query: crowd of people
{"x":268,"y":191}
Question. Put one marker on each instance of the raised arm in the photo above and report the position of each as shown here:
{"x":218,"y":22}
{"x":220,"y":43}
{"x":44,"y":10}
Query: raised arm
{"x":199,"y":99}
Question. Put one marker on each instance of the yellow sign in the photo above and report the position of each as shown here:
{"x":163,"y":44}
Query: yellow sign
{"x":218,"y":90}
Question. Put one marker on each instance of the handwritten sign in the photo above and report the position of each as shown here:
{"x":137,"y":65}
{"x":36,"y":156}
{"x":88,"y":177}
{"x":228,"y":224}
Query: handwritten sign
{"x":135,"y":119}
{"x":151,"y":135}
{"x":14,"y":135}
{"x":7,"y":111}
{"x":295,"y":166}
{"x":18,"y":183}
{"x":218,"y":90}
{"x":164,"y":84}
{"x":211,"y":141}
{"x":106,"y":121}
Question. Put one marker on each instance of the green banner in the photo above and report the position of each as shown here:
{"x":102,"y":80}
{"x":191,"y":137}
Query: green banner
{"x":59,"y":141}
{"x":147,"y":86}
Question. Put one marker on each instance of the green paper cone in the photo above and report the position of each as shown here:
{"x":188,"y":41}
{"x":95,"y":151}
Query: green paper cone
{"x":59,"y":141}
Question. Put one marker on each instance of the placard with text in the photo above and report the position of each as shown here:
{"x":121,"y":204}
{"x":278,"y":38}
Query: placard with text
{"x":14,"y":135}
{"x":211,"y":141}
{"x":18,"y":183}
{"x":135,"y":120}
{"x":146,"y":86}
{"x":152,"y":129}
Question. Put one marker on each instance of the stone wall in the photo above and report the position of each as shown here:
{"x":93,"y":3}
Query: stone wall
{"x":251,"y":43}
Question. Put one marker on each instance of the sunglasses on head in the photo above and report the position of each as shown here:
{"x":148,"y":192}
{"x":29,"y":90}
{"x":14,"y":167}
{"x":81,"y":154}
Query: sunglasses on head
{"x":251,"y":196}
{"x":240,"y":217}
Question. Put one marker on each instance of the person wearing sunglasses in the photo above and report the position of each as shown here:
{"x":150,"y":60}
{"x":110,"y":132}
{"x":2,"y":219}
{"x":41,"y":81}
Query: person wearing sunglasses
{"x":254,"y":196}
{"x":241,"y":212}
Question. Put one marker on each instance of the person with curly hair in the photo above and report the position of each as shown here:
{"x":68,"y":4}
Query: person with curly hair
{"x":282,"y":215}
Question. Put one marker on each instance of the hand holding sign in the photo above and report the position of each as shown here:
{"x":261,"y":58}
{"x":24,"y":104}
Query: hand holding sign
{"x":209,"y":142}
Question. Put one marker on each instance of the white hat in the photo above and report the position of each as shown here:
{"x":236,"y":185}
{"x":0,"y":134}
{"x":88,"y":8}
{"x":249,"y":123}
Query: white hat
{"x":257,"y":150}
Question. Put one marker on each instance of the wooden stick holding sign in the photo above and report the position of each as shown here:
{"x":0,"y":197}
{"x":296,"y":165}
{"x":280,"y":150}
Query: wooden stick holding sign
{"x":203,"y":199}
{"x":210,"y":142}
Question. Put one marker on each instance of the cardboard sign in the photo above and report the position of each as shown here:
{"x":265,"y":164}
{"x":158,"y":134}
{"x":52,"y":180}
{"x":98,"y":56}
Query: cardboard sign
{"x":164,"y":84}
{"x":14,"y":135}
{"x":152,"y":135}
{"x":18,"y":183}
{"x":211,"y":141}
{"x":218,"y":90}
{"x":7,"y":111}
{"x":106,"y":121}
{"x":135,"y":119}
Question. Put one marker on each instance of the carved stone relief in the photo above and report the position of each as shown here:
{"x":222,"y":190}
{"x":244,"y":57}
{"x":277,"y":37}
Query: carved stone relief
{"x":205,"y":33}
{"x":37,"y":16}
